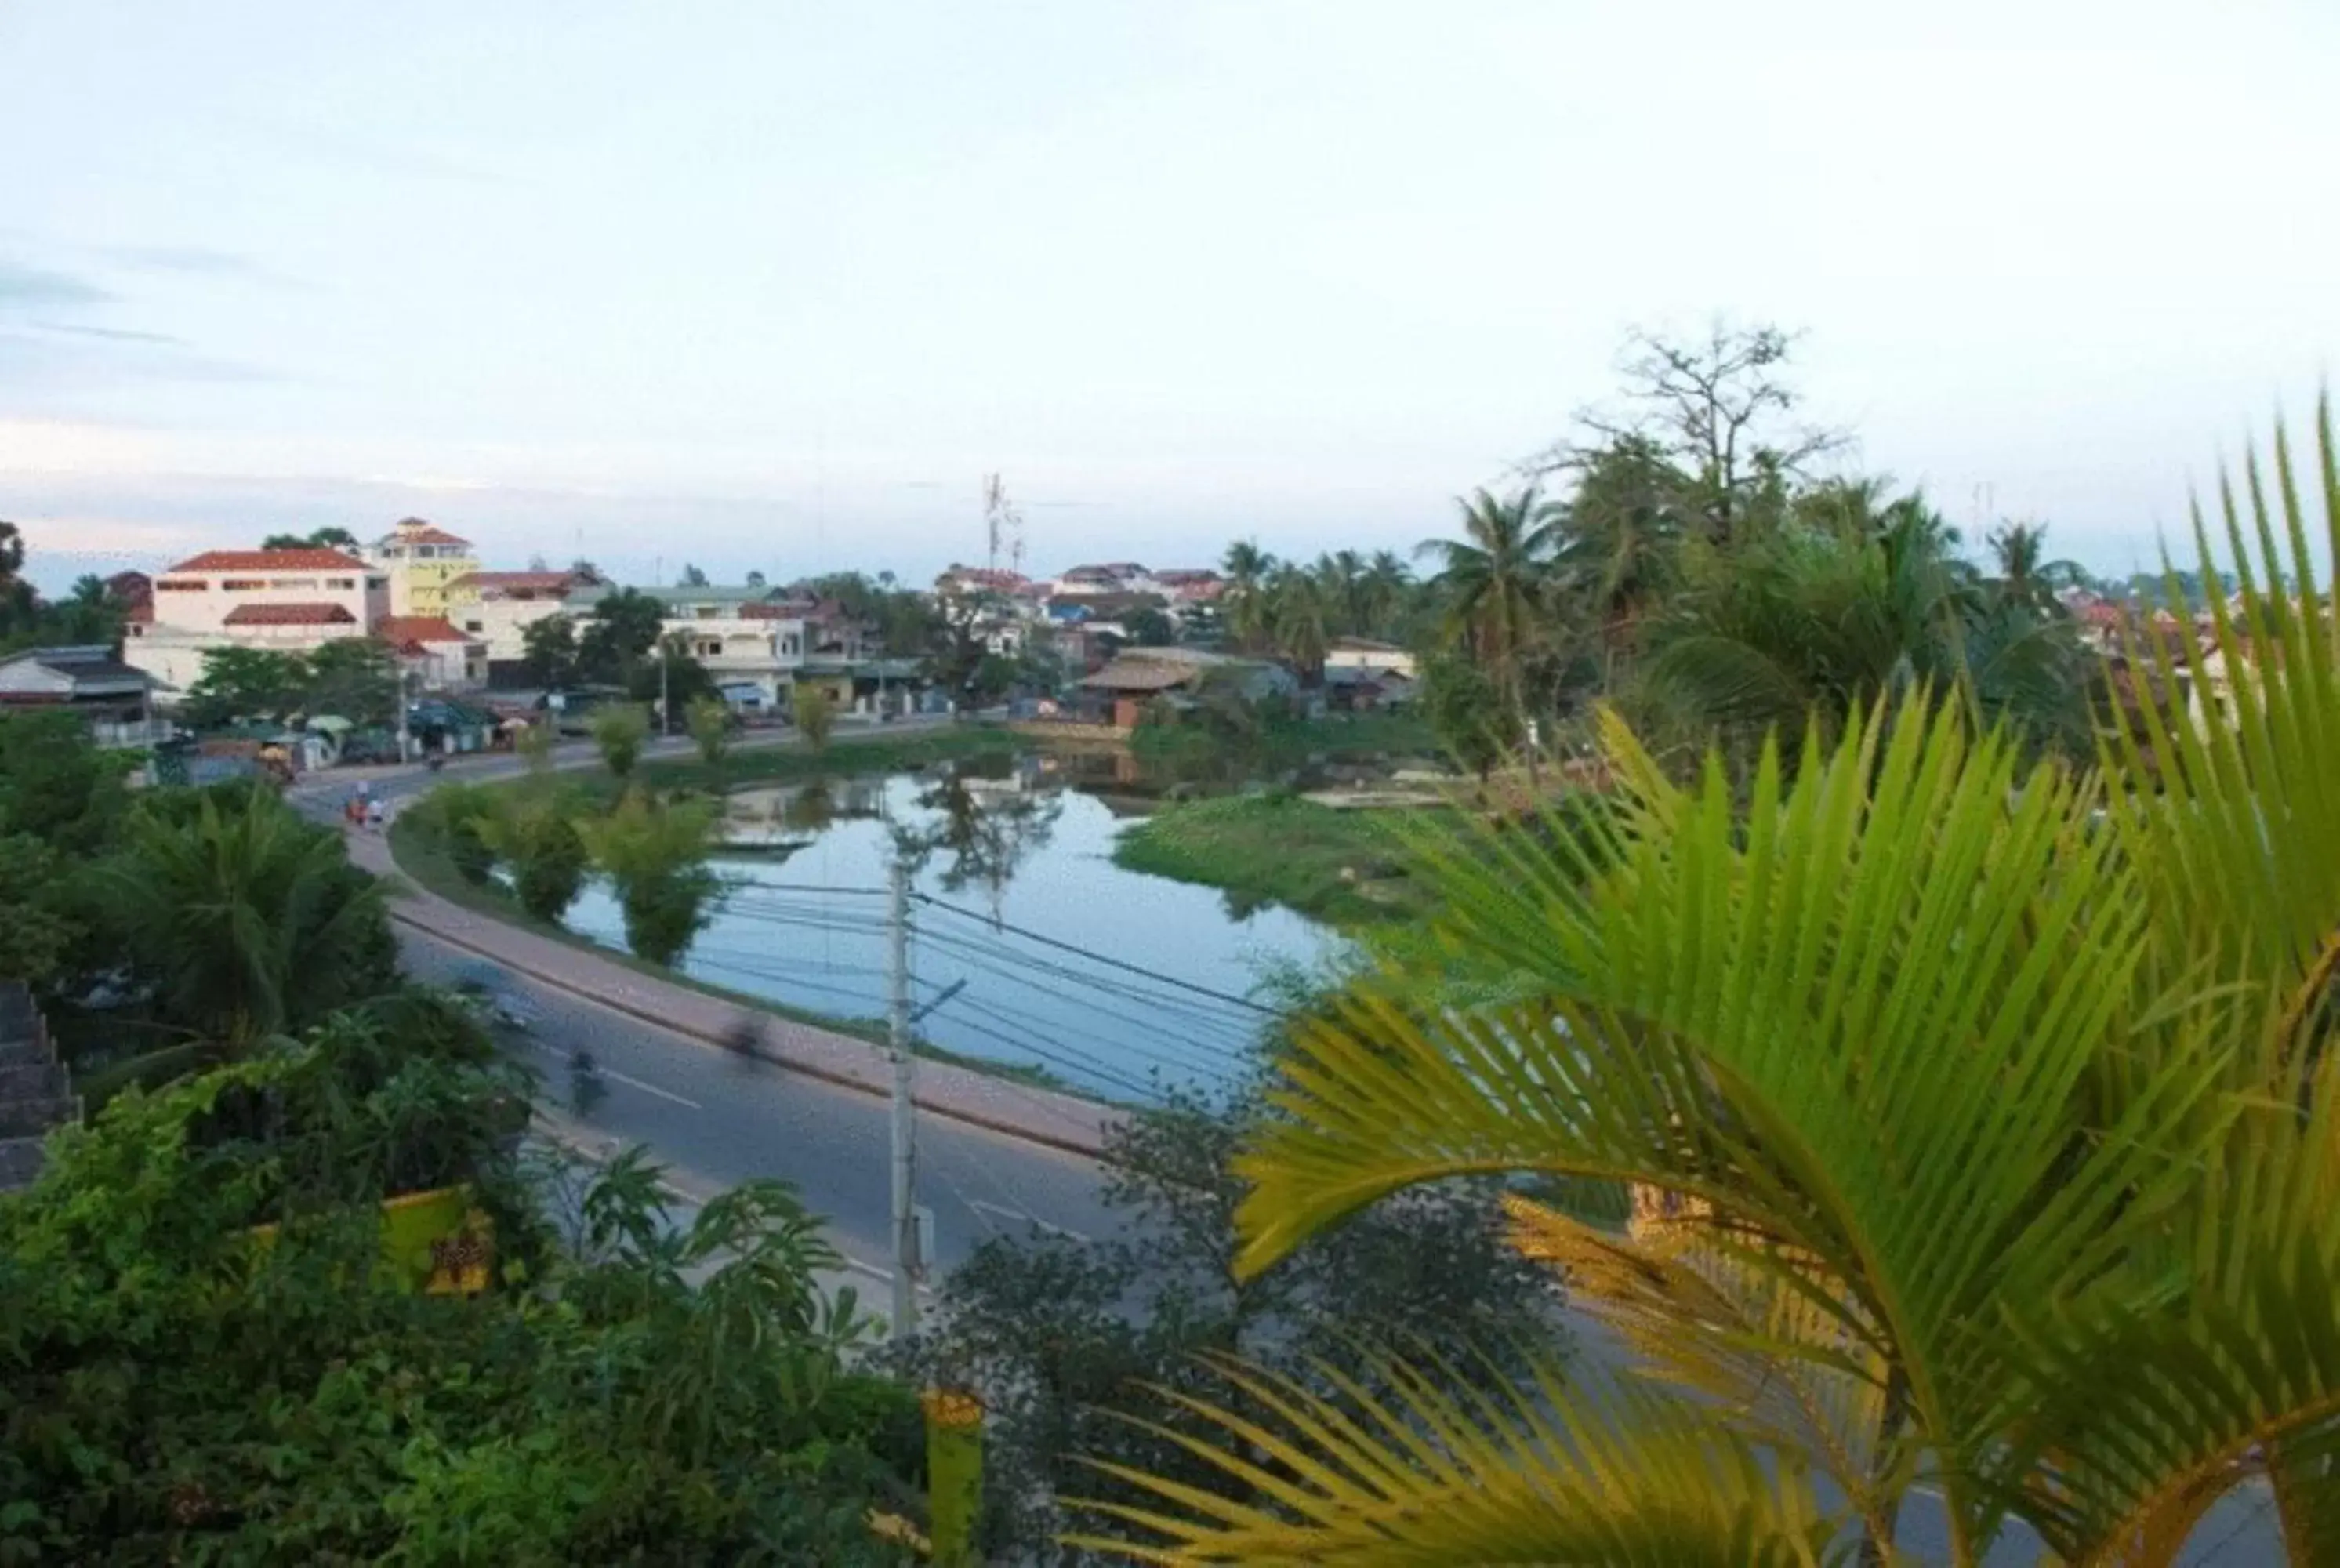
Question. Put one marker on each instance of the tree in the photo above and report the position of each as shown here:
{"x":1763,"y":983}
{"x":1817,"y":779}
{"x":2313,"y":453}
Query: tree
{"x":626,"y":626}
{"x":548,"y":652}
{"x":711,"y":729}
{"x":1719,"y":410}
{"x":536,"y":836}
{"x":1470,"y":717}
{"x":816,"y":713}
{"x":691,"y":577}
{"x":619,"y":730}
{"x":1246,"y":567}
{"x":1618,"y":543}
{"x":675,"y":678}
{"x":755,"y":579}
{"x":355,"y":678}
{"x":1978,"y":1120}
{"x":1866,"y":599}
{"x":1071,"y":1343}
{"x":328,"y":537}
{"x":1297,"y":616}
{"x":656,"y":855}
{"x":246,"y":920}
{"x":637,"y":1390}
{"x":239,"y":682}
{"x":1150,"y":628}
{"x":1496,"y":580}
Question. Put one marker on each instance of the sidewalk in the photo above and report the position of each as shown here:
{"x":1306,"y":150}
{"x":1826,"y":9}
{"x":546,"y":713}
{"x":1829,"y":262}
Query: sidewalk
{"x":1035,"y":1115}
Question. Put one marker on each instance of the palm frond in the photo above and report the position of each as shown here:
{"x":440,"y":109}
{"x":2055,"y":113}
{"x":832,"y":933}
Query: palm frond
{"x":1541,"y":1473}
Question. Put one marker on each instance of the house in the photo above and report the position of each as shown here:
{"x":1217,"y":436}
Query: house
{"x":420,"y":562}
{"x":88,"y":680}
{"x":1365,"y":655}
{"x":764,"y":638}
{"x":497,"y":607}
{"x":1351,"y":689}
{"x":429,"y":647}
{"x":1112,"y":577}
{"x":286,"y":600}
{"x":1120,"y":693}
{"x":967,"y":581}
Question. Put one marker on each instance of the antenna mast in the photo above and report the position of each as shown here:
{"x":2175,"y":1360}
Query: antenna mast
{"x":1003,"y":525}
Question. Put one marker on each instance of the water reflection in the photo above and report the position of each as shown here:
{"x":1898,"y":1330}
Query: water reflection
{"x":1007,"y":849}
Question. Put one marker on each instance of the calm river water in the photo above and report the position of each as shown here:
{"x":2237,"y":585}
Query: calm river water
{"x":1030,"y":913}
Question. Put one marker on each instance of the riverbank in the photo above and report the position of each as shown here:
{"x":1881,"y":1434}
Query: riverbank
{"x":422,"y":856}
{"x":1344,"y":867}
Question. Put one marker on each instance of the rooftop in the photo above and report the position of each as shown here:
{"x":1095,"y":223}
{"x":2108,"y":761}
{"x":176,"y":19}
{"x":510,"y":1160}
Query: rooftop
{"x":271,"y":560}
{"x":415,"y":531}
{"x":290,"y":615}
{"x":407,"y":630}
{"x":531,"y":581}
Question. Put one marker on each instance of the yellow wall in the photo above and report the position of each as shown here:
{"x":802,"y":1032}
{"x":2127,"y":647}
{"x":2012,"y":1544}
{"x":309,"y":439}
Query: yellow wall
{"x":420,"y":587}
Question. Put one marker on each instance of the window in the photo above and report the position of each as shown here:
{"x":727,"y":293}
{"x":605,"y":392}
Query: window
{"x":170,"y":585}
{"x":341,"y":582}
{"x":475,"y":626}
{"x":709,"y":647}
{"x":377,"y":582}
{"x":791,"y":645}
{"x":242,"y":584}
{"x":394,"y":552}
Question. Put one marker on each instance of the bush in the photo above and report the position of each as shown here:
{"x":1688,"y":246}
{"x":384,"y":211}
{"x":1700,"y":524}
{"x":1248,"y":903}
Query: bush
{"x":656,"y":855}
{"x":536,"y":839}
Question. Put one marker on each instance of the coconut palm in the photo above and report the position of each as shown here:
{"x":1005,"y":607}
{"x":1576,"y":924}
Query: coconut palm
{"x":1246,"y":567}
{"x":1497,"y":579}
{"x":1620,"y":538}
{"x":1299,"y":613}
{"x":1982,"y":1128}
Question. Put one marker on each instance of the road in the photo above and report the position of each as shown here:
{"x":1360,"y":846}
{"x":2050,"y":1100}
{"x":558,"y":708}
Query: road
{"x":714,"y":1119}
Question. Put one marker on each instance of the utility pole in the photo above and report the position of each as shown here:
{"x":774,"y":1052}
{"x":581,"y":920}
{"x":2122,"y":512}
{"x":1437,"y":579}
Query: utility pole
{"x":907,"y":1265}
{"x":666,"y":724}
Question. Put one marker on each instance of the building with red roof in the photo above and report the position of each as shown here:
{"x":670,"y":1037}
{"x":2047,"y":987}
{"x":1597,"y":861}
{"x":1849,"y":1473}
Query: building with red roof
{"x":290,"y":601}
{"x":421,"y":560}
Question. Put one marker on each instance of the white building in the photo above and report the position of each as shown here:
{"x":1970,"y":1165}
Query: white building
{"x":430,"y":649}
{"x":288,"y":600}
{"x":1374,"y":658}
{"x":497,"y":607}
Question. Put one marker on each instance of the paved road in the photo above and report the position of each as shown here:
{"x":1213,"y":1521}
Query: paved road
{"x":716,"y":1119}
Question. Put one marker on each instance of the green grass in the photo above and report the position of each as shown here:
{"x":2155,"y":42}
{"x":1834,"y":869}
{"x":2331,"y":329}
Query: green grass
{"x":1344,"y":867}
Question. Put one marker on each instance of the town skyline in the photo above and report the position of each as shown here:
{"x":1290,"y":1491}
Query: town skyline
{"x":1183,"y":275}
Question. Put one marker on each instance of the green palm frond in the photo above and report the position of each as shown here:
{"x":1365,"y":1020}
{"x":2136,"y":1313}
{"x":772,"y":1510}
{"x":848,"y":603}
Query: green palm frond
{"x":1539,"y":1472}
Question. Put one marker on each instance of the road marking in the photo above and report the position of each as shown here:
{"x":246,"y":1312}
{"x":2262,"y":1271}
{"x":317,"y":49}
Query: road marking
{"x":616,"y":1077}
{"x":1017,"y":1216}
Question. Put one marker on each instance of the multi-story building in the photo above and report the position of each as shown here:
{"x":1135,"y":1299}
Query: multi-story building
{"x":291,"y":601}
{"x":497,"y":607}
{"x":762,"y":640}
{"x":421,"y":561}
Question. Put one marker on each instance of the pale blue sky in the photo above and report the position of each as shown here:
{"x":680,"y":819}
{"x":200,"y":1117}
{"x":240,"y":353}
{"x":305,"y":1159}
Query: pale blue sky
{"x":773,"y":285}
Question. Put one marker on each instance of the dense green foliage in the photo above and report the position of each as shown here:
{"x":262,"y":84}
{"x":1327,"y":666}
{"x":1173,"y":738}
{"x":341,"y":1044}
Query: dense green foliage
{"x":89,"y":614}
{"x":1072,"y":1343}
{"x":174,"y":1391}
{"x":1341,"y":866}
{"x":619,"y":733}
{"x":351,"y":678}
{"x":655,"y":854}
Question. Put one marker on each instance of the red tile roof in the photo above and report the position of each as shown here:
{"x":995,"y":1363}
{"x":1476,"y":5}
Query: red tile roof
{"x":403,"y":631}
{"x":290,"y":615}
{"x":414,"y":530}
{"x":271,"y":560}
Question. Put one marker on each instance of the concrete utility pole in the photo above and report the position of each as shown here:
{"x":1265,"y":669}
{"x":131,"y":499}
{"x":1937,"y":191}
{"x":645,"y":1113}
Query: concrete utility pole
{"x":907,"y":1265}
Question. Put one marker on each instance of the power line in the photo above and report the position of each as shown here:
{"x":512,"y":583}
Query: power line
{"x":1229,"y":1050}
{"x":1045,"y":941}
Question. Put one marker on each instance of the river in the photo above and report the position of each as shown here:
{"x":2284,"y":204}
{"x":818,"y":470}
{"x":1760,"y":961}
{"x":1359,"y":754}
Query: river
{"x":1021,"y":908}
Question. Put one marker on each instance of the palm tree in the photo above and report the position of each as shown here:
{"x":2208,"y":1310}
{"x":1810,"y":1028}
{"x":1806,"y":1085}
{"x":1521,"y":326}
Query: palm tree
{"x":1246,"y":567}
{"x":1620,"y":539}
{"x":1298,"y":615}
{"x":247,"y":922}
{"x":1981,"y":1125}
{"x":1497,"y":579}
{"x":1389,"y":590}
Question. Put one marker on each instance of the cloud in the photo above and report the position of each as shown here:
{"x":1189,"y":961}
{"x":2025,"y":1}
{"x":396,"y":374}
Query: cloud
{"x":42,"y":289}
{"x":109,"y":334}
{"x":198,"y":260}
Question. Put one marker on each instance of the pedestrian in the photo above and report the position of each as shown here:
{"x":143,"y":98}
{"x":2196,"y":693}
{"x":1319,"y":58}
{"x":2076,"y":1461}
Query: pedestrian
{"x":373,"y":814}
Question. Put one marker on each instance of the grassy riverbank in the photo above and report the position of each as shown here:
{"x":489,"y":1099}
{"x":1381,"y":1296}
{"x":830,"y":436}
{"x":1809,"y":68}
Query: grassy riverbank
{"x":422,"y":854}
{"x":1344,"y":867}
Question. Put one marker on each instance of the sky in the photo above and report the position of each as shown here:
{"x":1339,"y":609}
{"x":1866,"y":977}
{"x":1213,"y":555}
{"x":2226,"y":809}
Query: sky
{"x":775,"y":285}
